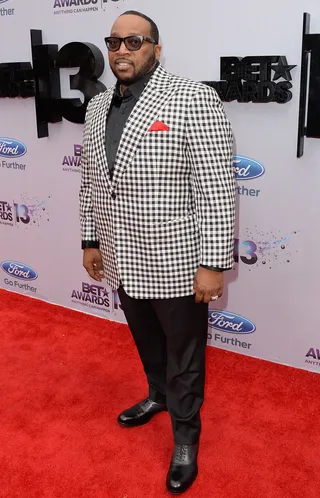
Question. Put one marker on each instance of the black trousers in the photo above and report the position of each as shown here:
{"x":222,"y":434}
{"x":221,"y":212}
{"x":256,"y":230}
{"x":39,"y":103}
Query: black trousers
{"x":171,"y":336}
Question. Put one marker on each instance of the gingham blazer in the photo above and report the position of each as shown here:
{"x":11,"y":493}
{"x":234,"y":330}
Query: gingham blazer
{"x":170,"y":205}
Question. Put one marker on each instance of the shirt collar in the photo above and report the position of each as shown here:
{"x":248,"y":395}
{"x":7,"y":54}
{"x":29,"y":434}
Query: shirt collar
{"x":137,"y":87}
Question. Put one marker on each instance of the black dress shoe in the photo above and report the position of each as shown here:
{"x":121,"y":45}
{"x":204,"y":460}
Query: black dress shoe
{"x":183,"y":468}
{"x":140,"y":413}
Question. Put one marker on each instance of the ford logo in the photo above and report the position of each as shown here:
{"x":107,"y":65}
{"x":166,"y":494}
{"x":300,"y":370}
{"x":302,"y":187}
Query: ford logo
{"x":246,"y":168}
{"x":230,"y":322}
{"x":19,"y":270}
{"x":10,"y":147}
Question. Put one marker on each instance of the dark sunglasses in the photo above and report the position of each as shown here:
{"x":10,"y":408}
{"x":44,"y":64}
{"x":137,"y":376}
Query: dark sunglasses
{"x":132,"y":43}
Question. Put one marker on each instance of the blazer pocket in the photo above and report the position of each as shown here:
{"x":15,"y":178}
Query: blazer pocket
{"x":173,"y":221}
{"x":176,"y":227}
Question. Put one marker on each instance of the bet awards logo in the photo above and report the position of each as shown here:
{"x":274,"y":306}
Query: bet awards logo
{"x":258,"y":248}
{"x":313,"y":357}
{"x":96,"y":297}
{"x":254,"y":79}
{"x":72,"y":163}
{"x":78,"y":6}
{"x":13,"y":213}
{"x":28,"y":212}
{"x":75,"y":6}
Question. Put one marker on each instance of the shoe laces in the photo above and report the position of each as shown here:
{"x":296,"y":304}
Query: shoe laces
{"x":181,"y":452}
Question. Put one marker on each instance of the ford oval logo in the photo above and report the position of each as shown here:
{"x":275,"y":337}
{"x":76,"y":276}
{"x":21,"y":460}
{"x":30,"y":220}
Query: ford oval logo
{"x":246,"y":168}
{"x":11,"y":148}
{"x":230,"y":322}
{"x":19,"y":270}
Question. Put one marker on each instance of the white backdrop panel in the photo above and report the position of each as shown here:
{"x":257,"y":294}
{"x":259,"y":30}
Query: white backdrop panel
{"x":278,"y":212}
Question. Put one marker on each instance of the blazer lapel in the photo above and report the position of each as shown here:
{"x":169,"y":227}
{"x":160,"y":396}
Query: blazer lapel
{"x":99,"y":133}
{"x":152,"y":100}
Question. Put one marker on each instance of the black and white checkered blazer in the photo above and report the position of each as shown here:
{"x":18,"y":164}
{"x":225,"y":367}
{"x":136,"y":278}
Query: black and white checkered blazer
{"x":171,"y":203}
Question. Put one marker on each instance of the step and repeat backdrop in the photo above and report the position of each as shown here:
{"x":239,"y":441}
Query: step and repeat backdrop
{"x":269,"y":309}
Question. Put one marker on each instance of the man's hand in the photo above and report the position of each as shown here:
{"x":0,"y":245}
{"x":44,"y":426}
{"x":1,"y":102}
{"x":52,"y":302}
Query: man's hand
{"x":92,"y":261}
{"x":207,"y":284}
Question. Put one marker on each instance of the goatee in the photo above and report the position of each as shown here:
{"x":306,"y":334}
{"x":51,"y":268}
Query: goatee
{"x":145,"y":69}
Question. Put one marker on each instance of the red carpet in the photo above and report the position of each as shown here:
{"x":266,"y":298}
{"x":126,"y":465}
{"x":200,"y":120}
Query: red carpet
{"x":64,"y":376}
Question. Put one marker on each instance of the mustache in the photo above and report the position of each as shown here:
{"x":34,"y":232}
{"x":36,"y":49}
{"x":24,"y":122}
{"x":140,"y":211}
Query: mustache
{"x":123,"y":60}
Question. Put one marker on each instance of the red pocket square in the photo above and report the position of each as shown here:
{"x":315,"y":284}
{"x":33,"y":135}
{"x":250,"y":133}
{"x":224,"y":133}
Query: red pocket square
{"x":158,"y":126}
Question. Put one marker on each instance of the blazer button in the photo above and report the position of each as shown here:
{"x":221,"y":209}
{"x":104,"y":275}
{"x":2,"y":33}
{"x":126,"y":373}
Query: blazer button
{"x":113,"y":195}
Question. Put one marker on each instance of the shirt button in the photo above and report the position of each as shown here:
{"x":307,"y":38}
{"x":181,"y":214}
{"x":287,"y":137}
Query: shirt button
{"x":114,"y":195}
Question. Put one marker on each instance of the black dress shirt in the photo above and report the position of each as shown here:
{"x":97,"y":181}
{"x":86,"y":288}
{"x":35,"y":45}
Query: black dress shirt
{"x":120,"y":110}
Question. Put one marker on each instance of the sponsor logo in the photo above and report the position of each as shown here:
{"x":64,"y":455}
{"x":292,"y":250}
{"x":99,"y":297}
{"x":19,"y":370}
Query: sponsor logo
{"x":13,"y":165}
{"x":246,"y":168}
{"x":233,"y":341}
{"x":224,"y":321}
{"x":230,"y":322}
{"x":313,"y":357}
{"x":5,"y":11}
{"x":96,"y":297}
{"x":19,"y":270}
{"x":250,"y":192}
{"x":72,"y":164}
{"x":11,"y":148}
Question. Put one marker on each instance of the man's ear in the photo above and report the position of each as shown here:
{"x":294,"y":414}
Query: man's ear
{"x":158,"y":49}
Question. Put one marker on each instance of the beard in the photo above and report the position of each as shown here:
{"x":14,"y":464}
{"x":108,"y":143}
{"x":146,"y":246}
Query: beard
{"x":145,"y":69}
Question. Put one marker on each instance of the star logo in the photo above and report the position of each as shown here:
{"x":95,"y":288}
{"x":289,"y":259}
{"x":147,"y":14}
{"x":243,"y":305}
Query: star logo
{"x":282,"y":70}
{"x":9,"y":208}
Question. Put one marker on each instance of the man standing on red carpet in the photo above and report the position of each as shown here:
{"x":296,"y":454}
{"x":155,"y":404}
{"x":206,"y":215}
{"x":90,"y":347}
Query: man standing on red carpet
{"x":157,"y":217}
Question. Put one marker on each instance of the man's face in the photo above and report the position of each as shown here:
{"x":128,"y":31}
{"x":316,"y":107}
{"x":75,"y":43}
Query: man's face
{"x":130,"y":66}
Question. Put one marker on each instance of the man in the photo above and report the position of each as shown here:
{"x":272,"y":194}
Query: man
{"x":157,"y":219}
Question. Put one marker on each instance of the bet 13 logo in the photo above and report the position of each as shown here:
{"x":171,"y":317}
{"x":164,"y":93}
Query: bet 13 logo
{"x":245,"y":251}
{"x":17,"y":213}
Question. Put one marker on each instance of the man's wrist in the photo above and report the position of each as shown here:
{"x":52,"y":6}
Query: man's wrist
{"x":90,"y":244}
{"x":214,"y":268}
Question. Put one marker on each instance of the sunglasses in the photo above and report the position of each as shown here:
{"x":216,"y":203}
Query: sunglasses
{"x":132,"y":43}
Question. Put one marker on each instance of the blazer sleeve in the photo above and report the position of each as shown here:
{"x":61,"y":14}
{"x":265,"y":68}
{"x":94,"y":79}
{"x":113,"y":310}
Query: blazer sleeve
{"x":87,"y":220}
{"x":210,"y":150}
